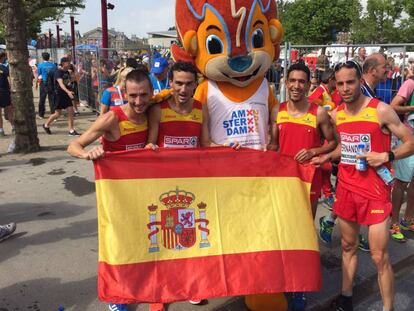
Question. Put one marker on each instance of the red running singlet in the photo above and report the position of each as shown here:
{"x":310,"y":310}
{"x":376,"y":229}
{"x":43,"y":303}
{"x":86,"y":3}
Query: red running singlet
{"x":296,"y":133}
{"x":353,"y":130}
{"x":133,"y":136}
{"x":180,"y":130}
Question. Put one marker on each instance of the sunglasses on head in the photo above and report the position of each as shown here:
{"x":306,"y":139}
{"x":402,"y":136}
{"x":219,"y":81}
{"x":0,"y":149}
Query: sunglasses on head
{"x":349,"y":64}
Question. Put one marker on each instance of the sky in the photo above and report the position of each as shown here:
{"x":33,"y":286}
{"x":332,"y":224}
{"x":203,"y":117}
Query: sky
{"x":129,"y":16}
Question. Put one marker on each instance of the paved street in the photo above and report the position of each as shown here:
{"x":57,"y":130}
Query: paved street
{"x":51,"y":260}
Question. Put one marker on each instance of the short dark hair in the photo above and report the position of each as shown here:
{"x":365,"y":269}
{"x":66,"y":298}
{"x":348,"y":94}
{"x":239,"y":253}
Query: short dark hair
{"x":138,"y":76}
{"x":327,"y":75}
{"x":183,"y":66}
{"x":143,"y":68}
{"x":45,"y":56}
{"x":299,"y":67}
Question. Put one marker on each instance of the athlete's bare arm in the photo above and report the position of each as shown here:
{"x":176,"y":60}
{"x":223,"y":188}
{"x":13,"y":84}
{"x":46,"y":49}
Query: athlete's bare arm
{"x":335,"y":154}
{"x":388,"y":118}
{"x":106,"y":125}
{"x":154,"y":117}
{"x":398,"y":104}
{"x":205,"y":136}
{"x":274,"y":130}
{"x":327,"y":130}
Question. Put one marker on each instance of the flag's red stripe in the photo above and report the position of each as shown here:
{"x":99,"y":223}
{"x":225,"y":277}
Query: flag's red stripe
{"x":207,"y":277}
{"x":207,"y":162}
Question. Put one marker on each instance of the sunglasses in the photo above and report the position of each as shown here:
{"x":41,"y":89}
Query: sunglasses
{"x":349,"y":64}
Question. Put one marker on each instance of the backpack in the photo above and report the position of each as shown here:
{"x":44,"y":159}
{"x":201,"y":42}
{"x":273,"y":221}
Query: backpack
{"x":51,"y":80}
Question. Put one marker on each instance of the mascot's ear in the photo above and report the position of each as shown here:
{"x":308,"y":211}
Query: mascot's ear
{"x":276,"y":31}
{"x":190,"y":42}
{"x":179,"y":54}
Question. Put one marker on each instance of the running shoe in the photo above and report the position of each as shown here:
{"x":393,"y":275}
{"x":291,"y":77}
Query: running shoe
{"x":76,"y":113}
{"x":298,"y":302}
{"x":342,"y":303}
{"x":195,"y":302}
{"x":74,"y":133}
{"x":2,"y":133}
{"x":7,"y":230}
{"x":328,"y":202}
{"x":47,"y":130}
{"x":117,"y":307}
{"x":407,"y":225}
{"x":396,"y":235}
{"x":363,"y":244}
{"x":325,"y":230}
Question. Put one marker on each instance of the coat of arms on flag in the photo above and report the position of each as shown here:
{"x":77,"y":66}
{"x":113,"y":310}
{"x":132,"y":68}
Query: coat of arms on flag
{"x":178,"y":222}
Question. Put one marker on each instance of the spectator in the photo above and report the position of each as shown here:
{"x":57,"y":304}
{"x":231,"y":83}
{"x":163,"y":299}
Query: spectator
{"x":374,"y":70}
{"x":45,"y":70}
{"x":361,"y":56}
{"x":159,"y":75}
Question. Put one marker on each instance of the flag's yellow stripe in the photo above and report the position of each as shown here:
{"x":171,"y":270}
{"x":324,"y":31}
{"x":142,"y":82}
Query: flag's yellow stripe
{"x":246,"y":214}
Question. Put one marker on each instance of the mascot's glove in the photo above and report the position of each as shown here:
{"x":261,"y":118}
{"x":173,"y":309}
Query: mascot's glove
{"x":161,"y":96}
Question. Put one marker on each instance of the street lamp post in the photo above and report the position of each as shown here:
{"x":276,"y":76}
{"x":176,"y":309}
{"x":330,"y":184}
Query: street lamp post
{"x":50,"y":38}
{"x":104,"y":14}
{"x":72,"y":35}
{"x":58,"y":29}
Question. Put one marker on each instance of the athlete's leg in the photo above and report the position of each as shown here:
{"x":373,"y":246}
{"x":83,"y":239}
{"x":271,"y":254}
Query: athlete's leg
{"x":397,"y":199}
{"x":69,"y":110}
{"x":349,"y":240}
{"x":409,"y":211}
{"x":378,"y":239}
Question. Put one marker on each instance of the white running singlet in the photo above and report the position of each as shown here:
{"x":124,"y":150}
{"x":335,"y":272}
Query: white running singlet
{"x":245,"y":123}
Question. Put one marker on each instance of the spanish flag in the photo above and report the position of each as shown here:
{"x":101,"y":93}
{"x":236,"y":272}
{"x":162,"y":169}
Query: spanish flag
{"x":193,"y":224}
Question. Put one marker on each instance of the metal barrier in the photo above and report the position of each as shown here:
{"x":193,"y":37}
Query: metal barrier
{"x":397,"y":57}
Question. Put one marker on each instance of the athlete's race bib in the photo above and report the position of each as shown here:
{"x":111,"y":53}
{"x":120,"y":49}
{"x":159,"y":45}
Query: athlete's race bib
{"x":349,"y":146}
{"x":180,"y":141}
{"x":118,"y":102}
{"x":134,"y":146}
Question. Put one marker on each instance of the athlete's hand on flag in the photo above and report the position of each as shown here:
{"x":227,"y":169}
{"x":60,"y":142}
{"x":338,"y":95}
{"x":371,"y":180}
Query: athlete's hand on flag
{"x":93,"y":154}
{"x":374,"y":159}
{"x":151,"y":146}
{"x":304,"y":155}
{"x":319,"y":160}
{"x":235,"y":145}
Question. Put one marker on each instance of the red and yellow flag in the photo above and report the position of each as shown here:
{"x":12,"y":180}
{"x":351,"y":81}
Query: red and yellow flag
{"x":176,"y":225}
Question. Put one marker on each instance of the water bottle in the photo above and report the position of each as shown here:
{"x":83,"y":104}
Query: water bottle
{"x":361,"y":164}
{"x":385,"y":175}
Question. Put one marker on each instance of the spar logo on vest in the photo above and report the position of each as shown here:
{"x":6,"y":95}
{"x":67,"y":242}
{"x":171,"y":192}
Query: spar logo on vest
{"x":178,"y":222}
{"x":349,"y":146}
{"x":243,"y":121}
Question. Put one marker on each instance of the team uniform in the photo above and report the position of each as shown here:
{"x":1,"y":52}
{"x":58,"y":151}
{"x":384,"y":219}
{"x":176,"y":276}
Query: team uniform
{"x":362,"y":196}
{"x":180,"y":130}
{"x":322,"y":97}
{"x":133,"y":136}
{"x":296,"y":133}
{"x":113,"y":96}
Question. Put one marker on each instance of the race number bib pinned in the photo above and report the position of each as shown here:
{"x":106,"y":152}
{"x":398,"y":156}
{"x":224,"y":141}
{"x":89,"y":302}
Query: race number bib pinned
{"x":349,"y":146}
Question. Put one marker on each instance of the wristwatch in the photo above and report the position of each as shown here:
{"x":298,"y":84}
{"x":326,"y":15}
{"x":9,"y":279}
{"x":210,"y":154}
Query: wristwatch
{"x":391,"y":156}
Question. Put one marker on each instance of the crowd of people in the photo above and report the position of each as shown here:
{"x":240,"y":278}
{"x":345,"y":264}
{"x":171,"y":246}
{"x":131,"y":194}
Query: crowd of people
{"x":343,"y":127}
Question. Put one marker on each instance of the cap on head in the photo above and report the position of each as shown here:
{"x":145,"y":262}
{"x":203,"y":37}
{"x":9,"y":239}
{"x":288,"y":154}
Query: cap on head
{"x":160,"y":64}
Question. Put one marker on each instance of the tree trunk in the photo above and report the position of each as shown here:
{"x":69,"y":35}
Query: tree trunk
{"x":14,"y":21}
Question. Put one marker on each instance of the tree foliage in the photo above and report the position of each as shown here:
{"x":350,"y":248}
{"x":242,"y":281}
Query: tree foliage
{"x":316,"y":21}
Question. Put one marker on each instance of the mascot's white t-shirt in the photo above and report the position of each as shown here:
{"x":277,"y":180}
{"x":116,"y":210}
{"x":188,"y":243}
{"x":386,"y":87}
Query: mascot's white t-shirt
{"x":245,"y":123}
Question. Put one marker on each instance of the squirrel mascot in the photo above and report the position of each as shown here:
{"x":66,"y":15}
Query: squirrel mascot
{"x":233,"y":44}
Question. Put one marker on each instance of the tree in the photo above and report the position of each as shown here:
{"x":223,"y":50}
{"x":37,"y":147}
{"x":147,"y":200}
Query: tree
{"x":15,"y":16}
{"x":316,"y":21}
{"x":380,"y":23}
